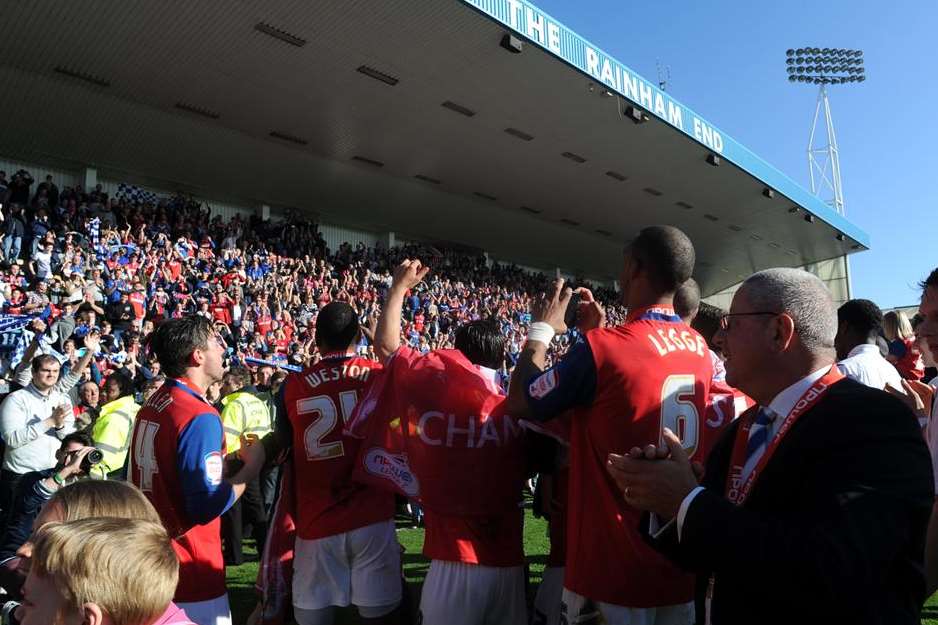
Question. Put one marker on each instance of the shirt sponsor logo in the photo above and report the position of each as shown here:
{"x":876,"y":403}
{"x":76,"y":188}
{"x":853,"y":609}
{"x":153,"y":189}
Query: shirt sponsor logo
{"x":543,"y":384}
{"x":214,"y":466}
{"x":382,"y":463}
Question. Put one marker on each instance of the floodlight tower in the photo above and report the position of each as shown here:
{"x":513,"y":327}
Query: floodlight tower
{"x":825,"y":66}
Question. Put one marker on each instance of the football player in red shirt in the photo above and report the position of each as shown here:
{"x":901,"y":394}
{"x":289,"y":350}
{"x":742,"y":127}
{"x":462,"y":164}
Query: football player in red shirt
{"x":476,"y":571}
{"x":346,"y":546}
{"x":724,"y":403}
{"x":625,"y":385}
{"x":177,"y":453}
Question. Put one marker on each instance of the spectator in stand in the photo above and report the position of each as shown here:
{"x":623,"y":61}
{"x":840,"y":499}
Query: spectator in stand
{"x":859,"y":323}
{"x":38,"y":228}
{"x":151,"y":386}
{"x":121,"y":315}
{"x":40,"y":265}
{"x":50,"y":191}
{"x":33,"y":422}
{"x":902,"y":351}
{"x":86,"y":411}
{"x":19,"y":187}
{"x":112,"y":429}
{"x":14,"y":229}
{"x":32,"y":493}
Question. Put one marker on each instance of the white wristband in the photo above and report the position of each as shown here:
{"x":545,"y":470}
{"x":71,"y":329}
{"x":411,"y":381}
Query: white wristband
{"x":542,"y":332}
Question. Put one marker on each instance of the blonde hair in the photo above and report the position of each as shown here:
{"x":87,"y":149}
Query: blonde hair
{"x":896,"y":325}
{"x":103,"y":498}
{"x":125,"y":566}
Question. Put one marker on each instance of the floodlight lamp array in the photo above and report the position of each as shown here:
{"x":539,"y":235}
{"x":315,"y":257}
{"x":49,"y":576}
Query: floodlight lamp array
{"x":825,"y":66}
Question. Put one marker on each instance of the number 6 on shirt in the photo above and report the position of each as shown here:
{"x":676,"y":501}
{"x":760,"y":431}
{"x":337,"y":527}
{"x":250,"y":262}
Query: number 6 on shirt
{"x":325,"y":423}
{"x":678,"y":412}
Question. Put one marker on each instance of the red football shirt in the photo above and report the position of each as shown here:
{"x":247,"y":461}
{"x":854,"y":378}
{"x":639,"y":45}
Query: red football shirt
{"x":491,"y":541}
{"x":167,"y":457}
{"x":625,"y":385}
{"x":318,"y":401}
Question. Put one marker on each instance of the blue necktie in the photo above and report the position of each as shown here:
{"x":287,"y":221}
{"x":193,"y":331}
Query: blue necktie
{"x":758,"y":439}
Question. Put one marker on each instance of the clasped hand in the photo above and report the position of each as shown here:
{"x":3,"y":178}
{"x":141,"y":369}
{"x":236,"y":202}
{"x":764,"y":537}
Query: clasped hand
{"x":655,"y":478}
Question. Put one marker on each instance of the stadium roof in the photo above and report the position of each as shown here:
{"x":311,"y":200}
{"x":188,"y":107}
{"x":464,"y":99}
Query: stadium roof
{"x":406,"y":116}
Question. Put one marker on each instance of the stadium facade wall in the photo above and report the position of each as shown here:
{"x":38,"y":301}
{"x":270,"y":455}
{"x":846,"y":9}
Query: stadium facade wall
{"x":61,"y":177}
{"x":335,"y":236}
{"x":833,"y":272}
{"x":226,"y":210}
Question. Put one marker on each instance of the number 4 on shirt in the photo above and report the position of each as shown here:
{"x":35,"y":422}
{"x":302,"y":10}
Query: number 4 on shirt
{"x":325,"y":419}
{"x":144,"y":455}
{"x":678,"y":412}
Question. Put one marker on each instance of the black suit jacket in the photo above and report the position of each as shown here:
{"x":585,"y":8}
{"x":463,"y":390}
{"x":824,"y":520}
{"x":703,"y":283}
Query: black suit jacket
{"x":834,"y":529}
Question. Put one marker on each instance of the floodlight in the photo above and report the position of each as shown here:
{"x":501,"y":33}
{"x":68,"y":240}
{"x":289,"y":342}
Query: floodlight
{"x":822,"y":67}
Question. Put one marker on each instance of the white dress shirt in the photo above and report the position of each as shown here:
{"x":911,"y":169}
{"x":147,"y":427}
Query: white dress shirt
{"x":866,"y":365}
{"x":781,"y":406}
{"x":931,"y":430}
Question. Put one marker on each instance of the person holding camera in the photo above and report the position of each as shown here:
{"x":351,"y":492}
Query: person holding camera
{"x":33,"y":422}
{"x":74,"y":460}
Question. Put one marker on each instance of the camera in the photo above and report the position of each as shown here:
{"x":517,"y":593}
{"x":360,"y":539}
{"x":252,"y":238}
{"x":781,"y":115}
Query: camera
{"x":94,"y":457}
{"x":7,"y":613}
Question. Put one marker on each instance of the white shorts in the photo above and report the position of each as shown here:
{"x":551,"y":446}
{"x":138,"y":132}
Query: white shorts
{"x":549,"y":595}
{"x":210,"y":612}
{"x":578,"y":610}
{"x":456,"y":593}
{"x":361,"y":567}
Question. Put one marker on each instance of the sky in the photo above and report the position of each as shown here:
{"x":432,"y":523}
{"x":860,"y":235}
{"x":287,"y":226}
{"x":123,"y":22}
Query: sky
{"x":727,"y":63}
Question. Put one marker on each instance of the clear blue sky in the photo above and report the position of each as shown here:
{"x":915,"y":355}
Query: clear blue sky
{"x":727,"y":62}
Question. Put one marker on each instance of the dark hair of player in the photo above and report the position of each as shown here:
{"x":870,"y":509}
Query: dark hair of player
{"x":336,"y":327}
{"x":174,"y":341}
{"x":687,"y":299}
{"x":482,"y":343}
{"x":666,"y":254}
{"x":707,"y":322}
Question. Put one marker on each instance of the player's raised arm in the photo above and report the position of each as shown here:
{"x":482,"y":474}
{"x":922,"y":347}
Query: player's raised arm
{"x":407,"y":275}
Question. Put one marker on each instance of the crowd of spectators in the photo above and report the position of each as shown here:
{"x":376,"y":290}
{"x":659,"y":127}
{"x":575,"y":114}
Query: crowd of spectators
{"x":88,"y":264}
